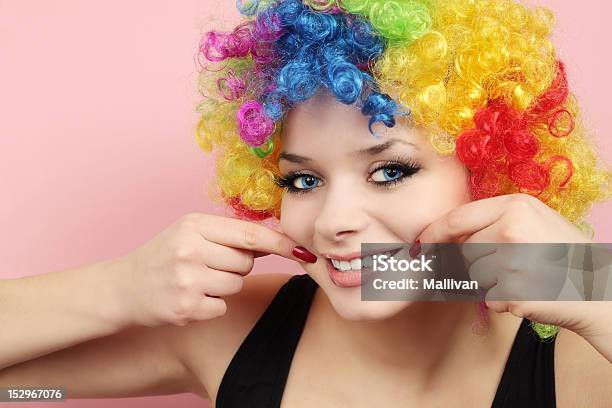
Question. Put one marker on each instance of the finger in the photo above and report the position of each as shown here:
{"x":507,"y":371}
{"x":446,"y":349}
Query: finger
{"x":510,"y":286}
{"x":481,"y":243}
{"x":465,"y":220}
{"x":484,"y":243}
{"x":220,"y":283}
{"x":564,"y":314}
{"x":229,"y":259}
{"x":473,"y":251}
{"x":484,"y":271}
{"x":502,"y":291}
{"x":248,"y":235}
{"x":210,"y":308}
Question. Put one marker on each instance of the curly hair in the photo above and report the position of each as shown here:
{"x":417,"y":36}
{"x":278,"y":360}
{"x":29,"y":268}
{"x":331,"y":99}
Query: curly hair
{"x":481,"y":76}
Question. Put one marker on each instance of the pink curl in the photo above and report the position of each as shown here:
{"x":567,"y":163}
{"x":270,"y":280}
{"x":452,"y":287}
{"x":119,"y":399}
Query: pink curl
{"x":268,"y":29}
{"x":231,"y":87}
{"x":218,"y":46}
{"x":263,"y":54}
{"x":255,"y":126}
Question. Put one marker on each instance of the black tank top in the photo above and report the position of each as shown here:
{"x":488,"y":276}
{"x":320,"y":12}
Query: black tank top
{"x":256,"y":375}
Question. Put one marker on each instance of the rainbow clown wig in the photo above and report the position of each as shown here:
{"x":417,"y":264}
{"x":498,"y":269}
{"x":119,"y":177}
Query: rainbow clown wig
{"x":480,"y":76}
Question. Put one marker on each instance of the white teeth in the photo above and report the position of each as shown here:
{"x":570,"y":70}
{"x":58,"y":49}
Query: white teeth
{"x":357,"y":263}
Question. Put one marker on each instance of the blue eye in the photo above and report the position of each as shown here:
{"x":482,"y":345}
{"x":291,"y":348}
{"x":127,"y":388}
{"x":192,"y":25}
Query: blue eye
{"x":305,"y":181}
{"x":388,"y":173}
{"x":391,"y":173}
{"x":298,"y":183}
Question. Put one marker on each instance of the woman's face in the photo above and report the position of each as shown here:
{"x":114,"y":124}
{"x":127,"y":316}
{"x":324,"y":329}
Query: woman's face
{"x":388,"y":193}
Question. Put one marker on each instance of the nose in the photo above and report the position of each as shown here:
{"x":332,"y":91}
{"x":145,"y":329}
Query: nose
{"x":342,"y":215}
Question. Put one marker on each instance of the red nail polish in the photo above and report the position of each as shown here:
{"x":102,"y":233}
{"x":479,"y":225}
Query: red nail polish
{"x":304,"y":254}
{"x":415,"y":249}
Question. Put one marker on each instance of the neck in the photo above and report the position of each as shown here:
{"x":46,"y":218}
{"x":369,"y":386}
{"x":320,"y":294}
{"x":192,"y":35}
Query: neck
{"x":418,"y":341}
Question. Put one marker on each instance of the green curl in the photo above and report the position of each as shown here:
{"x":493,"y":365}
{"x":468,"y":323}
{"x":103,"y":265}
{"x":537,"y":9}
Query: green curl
{"x":545,"y":331}
{"x":355,"y":6}
{"x":263,"y":152}
{"x":397,"y":21}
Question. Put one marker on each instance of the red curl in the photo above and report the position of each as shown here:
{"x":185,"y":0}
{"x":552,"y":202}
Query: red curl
{"x":498,"y":118}
{"x":486,"y":182}
{"x":245,"y":212}
{"x":476,"y":148}
{"x":568,"y":165}
{"x":553,"y":123}
{"x":521,"y":144}
{"x":502,"y":147}
{"x":529,"y":176}
{"x":555,"y":95}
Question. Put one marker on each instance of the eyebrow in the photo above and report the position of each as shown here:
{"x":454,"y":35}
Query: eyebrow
{"x":370,"y":151}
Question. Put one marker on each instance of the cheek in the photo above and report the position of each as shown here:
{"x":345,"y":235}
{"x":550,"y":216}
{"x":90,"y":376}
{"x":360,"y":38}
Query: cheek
{"x":297,"y":219}
{"x":426,"y":199}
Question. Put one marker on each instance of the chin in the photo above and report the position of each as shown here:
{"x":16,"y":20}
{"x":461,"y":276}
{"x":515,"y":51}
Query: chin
{"x":368,"y":310}
{"x":348,"y":304}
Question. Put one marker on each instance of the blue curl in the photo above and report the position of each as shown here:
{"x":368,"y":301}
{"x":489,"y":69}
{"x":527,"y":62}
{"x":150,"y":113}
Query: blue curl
{"x":367,"y":44}
{"x":289,"y":11}
{"x":317,"y":50}
{"x":381,"y":108}
{"x":346,"y":81}
{"x":297,"y":82}
{"x":274,"y":107}
{"x":316,"y":27}
{"x":288,"y":45}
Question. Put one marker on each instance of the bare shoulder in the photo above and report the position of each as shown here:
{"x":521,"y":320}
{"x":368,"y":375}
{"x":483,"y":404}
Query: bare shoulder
{"x":207,"y":347}
{"x":583,"y":376}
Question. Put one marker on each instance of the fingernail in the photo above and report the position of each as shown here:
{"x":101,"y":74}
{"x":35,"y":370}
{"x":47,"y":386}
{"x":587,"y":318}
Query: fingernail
{"x":415,"y":249}
{"x":304,"y":254}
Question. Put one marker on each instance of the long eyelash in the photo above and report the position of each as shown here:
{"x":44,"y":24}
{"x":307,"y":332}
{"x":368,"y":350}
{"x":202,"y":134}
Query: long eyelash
{"x":286,"y":182}
{"x":405,"y":164}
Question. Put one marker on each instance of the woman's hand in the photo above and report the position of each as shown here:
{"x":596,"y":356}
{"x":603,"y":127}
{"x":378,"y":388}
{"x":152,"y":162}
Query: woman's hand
{"x":182,"y":274}
{"x":521,"y":218}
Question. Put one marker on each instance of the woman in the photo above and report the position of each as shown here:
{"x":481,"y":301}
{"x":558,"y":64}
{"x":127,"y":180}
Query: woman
{"x":471,"y":77}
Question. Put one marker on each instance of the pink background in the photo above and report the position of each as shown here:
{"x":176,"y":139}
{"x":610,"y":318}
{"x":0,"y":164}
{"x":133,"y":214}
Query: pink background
{"x":97,"y":146}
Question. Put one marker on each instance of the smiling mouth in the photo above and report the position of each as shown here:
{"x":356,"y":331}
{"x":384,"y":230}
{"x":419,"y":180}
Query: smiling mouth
{"x":357,"y":264}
